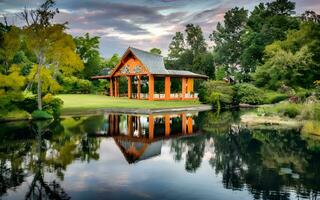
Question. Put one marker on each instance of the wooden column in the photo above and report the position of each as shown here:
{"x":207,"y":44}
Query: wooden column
{"x":130,"y":125}
{"x":167,"y":85}
{"x":190,"y":125}
{"x":151,"y":87}
{"x":184,"y":123}
{"x":129,"y":87}
{"x":167,"y":124}
{"x":190,"y":85}
{"x":151,"y":127}
{"x":139,"y":87}
{"x":184,"y":83}
{"x":116,"y":87}
{"x":111,"y":87}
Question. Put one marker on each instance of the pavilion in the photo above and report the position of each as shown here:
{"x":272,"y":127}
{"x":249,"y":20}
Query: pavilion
{"x":136,"y":64}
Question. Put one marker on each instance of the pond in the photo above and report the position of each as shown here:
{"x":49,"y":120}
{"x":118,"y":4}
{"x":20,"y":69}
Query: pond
{"x":163,"y":156}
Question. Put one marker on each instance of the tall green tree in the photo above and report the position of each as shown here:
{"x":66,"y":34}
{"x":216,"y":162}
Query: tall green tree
{"x":195,"y":39}
{"x":49,"y":43}
{"x":226,"y":37}
{"x":177,"y":46}
{"x":267,"y":23}
{"x":88,"y":49}
{"x":294,"y":62}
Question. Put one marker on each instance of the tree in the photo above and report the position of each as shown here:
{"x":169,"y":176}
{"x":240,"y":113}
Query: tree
{"x":310,"y":15}
{"x":266,"y":24}
{"x":228,"y":48}
{"x":294,"y":62}
{"x":88,"y":49}
{"x":48,"y":42}
{"x":10,"y":44}
{"x":177,"y":46}
{"x":155,"y":51}
{"x":195,"y":39}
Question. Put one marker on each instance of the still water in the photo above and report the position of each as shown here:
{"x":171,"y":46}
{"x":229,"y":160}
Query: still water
{"x":166,"y":156}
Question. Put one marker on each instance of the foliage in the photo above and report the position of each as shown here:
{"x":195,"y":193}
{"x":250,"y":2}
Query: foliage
{"x":226,"y":37}
{"x":218,"y":93}
{"x":271,"y":97}
{"x":249,"y":94}
{"x":267,"y":23}
{"x":177,"y":46}
{"x":190,"y":53}
{"x":195,"y":39}
{"x":14,"y":115}
{"x":41,"y":114}
{"x":155,"y":51}
{"x":52,"y":105}
{"x":283,"y":67}
{"x":49,"y":85}
{"x":88,"y":49}
{"x":75,"y":85}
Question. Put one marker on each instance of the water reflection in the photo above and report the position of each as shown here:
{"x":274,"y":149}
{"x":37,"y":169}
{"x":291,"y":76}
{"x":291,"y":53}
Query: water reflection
{"x":83,"y":158}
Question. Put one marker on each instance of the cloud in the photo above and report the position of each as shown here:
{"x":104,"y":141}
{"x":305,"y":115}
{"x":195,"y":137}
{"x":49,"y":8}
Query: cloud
{"x":141,"y":23}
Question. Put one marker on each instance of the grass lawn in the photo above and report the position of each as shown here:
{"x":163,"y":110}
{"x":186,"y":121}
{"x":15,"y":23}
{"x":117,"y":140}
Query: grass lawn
{"x":78,"y":102}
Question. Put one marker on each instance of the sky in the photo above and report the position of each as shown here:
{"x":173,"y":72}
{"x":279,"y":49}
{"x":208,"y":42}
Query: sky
{"x":143,"y":24}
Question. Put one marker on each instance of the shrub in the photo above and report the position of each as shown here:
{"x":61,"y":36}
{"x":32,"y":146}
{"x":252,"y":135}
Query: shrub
{"x":217,"y":93}
{"x":15,"y":114}
{"x":75,"y":85}
{"x":249,"y":94}
{"x":288,"y":109}
{"x":271,"y":97}
{"x":52,"y":105}
{"x":41,"y":114}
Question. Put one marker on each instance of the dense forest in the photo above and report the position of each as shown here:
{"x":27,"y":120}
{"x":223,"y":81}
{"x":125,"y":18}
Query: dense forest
{"x":261,"y":56}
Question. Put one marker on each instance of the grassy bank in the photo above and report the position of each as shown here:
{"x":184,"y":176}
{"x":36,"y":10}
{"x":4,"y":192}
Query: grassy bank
{"x":306,"y":116}
{"x":82,"y":102}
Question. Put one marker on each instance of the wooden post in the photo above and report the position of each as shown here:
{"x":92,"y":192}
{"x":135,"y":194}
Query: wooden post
{"x":184,"y":123}
{"x":130,"y":125}
{"x":139,"y":86}
{"x":111,"y":87}
{"x":129,"y":87}
{"x":116,"y":86}
{"x":190,"y":125}
{"x":184,"y":82}
{"x":190,"y":85}
{"x":167,"y":124}
{"x":151,"y":87}
{"x":167,"y":83}
{"x":151,"y":127}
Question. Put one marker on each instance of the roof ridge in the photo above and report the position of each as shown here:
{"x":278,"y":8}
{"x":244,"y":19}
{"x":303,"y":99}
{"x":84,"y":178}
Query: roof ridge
{"x":145,"y":51}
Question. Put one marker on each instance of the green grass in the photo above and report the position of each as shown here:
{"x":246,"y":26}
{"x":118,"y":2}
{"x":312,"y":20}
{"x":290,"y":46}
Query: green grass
{"x":79,"y":102}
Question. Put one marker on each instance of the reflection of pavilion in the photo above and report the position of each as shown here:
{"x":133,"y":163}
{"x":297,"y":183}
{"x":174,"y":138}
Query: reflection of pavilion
{"x":140,"y":137}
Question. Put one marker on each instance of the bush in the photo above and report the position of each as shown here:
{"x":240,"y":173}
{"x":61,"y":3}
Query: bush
{"x":271,"y":97}
{"x":249,"y":94}
{"x":40,"y":114}
{"x":75,"y":85}
{"x":217,"y":93}
{"x":15,"y":114}
{"x":52,"y":105}
{"x":289,"y":109}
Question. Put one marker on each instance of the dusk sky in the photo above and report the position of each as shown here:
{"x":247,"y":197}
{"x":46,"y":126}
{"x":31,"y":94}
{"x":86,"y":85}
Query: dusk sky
{"x":139,"y":23}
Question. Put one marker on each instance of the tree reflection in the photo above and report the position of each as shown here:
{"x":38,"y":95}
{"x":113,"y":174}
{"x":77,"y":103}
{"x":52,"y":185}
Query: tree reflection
{"x":39,"y":189}
{"x":44,"y":147}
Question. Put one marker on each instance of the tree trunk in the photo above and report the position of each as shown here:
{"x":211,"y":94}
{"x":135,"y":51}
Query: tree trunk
{"x":39,"y":88}
{"x":40,"y":63}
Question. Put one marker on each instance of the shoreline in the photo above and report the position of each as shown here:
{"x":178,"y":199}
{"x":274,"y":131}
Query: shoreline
{"x":96,"y":111}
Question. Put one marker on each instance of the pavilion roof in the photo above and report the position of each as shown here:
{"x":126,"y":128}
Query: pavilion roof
{"x":154,"y":64}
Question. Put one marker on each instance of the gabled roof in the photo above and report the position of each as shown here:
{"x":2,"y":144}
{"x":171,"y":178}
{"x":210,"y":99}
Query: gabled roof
{"x":153,"y":62}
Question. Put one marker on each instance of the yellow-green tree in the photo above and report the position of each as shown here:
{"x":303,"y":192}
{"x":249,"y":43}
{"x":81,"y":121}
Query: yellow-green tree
{"x":54,"y":49}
